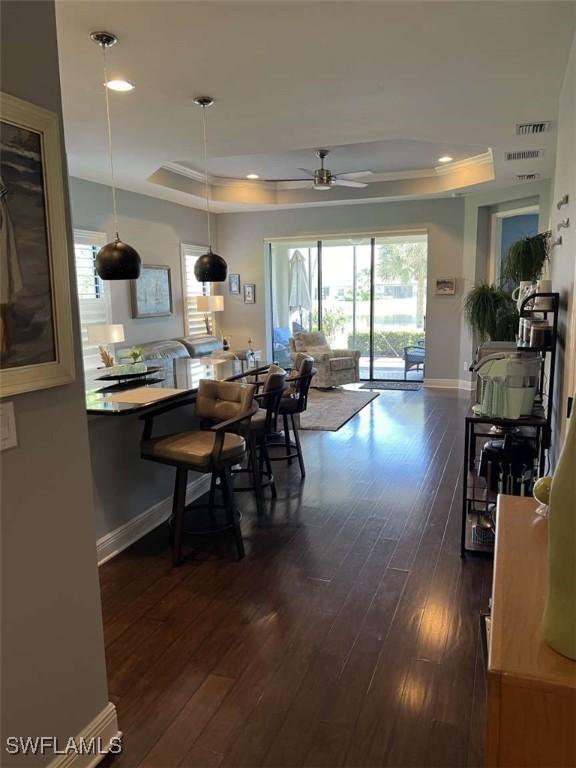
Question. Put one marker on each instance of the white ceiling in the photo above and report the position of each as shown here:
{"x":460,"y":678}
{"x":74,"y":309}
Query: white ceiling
{"x":388,"y":85}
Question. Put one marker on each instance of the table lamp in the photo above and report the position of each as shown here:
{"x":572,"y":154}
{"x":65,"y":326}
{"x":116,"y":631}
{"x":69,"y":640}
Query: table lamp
{"x":105,"y":333}
{"x":208,"y":304}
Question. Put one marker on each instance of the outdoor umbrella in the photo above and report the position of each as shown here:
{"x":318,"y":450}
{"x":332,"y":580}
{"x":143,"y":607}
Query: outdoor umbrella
{"x":299,"y":288}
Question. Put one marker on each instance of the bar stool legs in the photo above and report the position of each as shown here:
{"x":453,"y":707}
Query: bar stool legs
{"x":228,"y":493}
{"x":178,"y":509}
{"x":298,"y":447}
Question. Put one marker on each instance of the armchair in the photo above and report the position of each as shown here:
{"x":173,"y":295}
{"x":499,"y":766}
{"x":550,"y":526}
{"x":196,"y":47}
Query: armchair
{"x":333,"y":366}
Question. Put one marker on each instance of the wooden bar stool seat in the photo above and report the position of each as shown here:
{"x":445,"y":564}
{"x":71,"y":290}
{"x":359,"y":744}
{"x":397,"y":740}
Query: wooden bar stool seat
{"x":293,"y":403}
{"x":212,"y":451}
{"x":195,"y":449}
{"x":256,"y":432}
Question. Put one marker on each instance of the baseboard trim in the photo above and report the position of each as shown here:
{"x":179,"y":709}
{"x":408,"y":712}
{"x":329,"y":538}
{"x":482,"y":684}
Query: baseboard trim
{"x":104,"y":727}
{"x":449,"y":384}
{"x":111,"y":544}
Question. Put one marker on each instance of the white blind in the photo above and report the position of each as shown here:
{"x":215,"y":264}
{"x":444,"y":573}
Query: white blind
{"x":92,"y":300}
{"x":194,"y":324}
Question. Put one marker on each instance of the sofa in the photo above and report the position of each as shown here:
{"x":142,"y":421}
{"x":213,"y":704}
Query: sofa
{"x":334,"y":366}
{"x":185,"y":346}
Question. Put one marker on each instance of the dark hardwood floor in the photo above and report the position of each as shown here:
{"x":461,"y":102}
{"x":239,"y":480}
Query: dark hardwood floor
{"x":349,"y":635}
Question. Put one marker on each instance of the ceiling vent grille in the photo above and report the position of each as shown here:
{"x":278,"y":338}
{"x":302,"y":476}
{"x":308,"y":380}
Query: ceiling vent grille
{"x":524,"y":154}
{"x":528,"y":176}
{"x":533,"y":129}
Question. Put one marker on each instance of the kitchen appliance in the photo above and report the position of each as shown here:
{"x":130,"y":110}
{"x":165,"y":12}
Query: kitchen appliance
{"x":507,"y":385}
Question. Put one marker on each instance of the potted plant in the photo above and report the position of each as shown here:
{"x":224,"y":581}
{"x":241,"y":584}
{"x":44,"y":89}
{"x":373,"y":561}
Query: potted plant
{"x":526,"y":258}
{"x":491,"y":312}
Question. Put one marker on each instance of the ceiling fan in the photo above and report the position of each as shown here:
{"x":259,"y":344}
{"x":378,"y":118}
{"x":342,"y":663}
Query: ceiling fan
{"x":323,"y":178}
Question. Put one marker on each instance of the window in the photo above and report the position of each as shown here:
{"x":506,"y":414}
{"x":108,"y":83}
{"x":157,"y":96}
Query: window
{"x":93,"y":302}
{"x":194,"y":324}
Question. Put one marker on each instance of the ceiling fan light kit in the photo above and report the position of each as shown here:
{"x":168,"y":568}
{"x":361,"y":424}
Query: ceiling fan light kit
{"x":323,"y":178}
{"x":210,"y":267}
{"x":116,"y":260}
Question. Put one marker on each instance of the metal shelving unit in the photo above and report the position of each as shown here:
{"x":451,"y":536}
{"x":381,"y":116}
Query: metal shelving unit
{"x":477,"y":497}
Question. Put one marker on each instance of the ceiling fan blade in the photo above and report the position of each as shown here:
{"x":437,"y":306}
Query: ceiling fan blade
{"x":348,"y":183}
{"x":307,"y":172}
{"x":354,"y":174}
{"x":277,"y":181}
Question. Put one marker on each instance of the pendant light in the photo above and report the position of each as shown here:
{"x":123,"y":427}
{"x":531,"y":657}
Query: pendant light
{"x":116,"y":260}
{"x":209,"y":268}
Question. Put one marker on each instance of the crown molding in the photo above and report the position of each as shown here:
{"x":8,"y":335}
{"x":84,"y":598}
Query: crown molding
{"x":486,"y":158}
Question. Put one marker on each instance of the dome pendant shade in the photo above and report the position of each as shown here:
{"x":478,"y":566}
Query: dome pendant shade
{"x":210,"y":268}
{"x":118,"y":261}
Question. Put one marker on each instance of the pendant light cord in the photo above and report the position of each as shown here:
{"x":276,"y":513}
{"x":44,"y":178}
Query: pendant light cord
{"x":206,"y":176}
{"x":111,"y":158}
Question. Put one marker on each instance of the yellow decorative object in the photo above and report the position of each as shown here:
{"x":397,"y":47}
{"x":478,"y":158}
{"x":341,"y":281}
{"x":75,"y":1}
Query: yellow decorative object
{"x":541,"y":490}
{"x":560,"y":614}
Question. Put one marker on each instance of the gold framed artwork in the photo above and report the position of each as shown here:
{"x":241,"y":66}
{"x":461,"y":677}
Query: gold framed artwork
{"x":36,"y":339}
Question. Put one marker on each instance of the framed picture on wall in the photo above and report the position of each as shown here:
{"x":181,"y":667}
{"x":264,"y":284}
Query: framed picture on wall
{"x":445,"y":286}
{"x":36,"y":339}
{"x":152,"y":292}
{"x":234,"y":283}
{"x":249,"y":293}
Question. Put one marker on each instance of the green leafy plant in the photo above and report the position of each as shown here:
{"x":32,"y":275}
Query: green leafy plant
{"x":491,"y":313}
{"x":136,"y":354}
{"x":333,"y":321}
{"x":386,"y":343}
{"x":526,"y":258}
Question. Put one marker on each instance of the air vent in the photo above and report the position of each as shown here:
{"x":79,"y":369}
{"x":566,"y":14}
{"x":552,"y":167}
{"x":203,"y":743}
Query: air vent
{"x":533,"y":129}
{"x":524,"y":154}
{"x":528,"y":176}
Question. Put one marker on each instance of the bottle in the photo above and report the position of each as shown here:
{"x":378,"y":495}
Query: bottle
{"x":560,"y":613}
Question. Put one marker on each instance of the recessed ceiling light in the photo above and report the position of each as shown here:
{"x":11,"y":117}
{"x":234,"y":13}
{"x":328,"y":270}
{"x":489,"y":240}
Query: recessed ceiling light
{"x":252,"y":176}
{"x":120,"y":85}
{"x":445,"y":159}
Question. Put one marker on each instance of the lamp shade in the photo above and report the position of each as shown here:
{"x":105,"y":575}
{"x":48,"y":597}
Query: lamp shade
{"x":118,"y":261}
{"x":210,"y":268}
{"x":105,"y":333}
{"x":210,"y":303}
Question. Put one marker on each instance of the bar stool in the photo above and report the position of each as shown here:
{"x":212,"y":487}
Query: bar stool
{"x":256,"y":433}
{"x":211,"y":451}
{"x":294,"y":403}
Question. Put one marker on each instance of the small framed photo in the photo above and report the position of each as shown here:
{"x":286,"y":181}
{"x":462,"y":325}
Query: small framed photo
{"x":446,"y":286}
{"x":249,"y":293}
{"x":234,"y":283}
{"x":152,"y":292}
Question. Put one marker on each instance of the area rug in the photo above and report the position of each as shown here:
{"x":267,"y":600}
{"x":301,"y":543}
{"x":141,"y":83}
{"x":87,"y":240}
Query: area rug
{"x":329,"y":410}
{"x":409,"y":386}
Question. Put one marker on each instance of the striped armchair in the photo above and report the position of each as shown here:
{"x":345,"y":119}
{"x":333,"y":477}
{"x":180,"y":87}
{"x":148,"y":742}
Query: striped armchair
{"x":333,"y":366}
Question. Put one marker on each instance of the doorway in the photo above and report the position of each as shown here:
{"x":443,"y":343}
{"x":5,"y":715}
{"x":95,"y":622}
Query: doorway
{"x":364,"y":292}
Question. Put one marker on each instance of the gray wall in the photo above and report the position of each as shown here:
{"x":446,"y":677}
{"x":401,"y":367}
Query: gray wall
{"x":53,"y":669}
{"x":477,"y":212}
{"x":562,"y":261}
{"x":124,"y":486}
{"x":241,"y":236}
{"x":156,"y":228}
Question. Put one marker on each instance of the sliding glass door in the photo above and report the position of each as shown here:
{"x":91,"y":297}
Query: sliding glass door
{"x":364,"y":292}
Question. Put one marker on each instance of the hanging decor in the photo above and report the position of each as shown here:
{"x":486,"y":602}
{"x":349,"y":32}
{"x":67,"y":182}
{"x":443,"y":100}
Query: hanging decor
{"x":116,"y":260}
{"x":210,"y":267}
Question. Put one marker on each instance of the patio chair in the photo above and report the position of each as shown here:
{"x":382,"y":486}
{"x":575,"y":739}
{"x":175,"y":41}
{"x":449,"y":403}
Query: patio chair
{"x":414,"y":357}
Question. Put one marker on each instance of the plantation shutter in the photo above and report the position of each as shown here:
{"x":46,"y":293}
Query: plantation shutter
{"x":194,"y":324}
{"x":92,"y":302}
